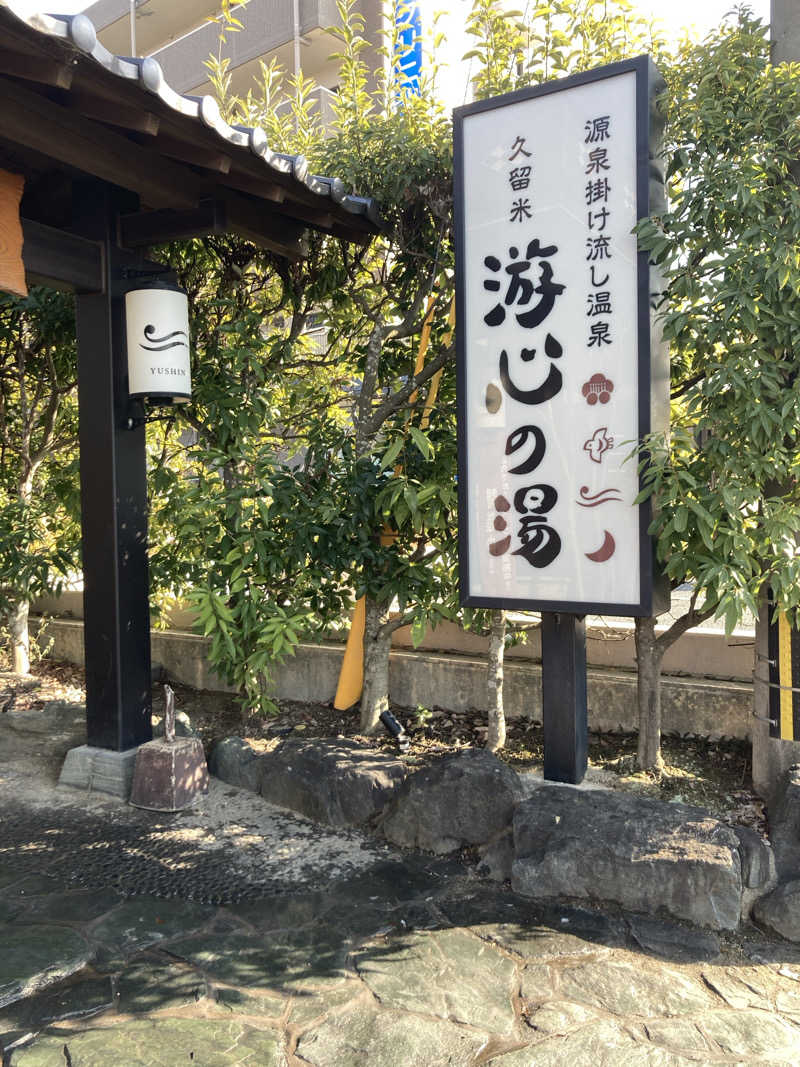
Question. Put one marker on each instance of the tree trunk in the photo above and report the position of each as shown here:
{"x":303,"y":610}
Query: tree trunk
{"x":377,"y":645}
{"x":496,"y":737}
{"x":17,"y":618}
{"x":20,"y":644}
{"x":648,"y":657}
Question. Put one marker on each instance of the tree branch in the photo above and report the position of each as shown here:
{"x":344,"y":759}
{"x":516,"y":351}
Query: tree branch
{"x":389,"y":627}
{"x":374,"y":421}
{"x":202,"y":428}
{"x":684,"y":387}
{"x":369,"y":384}
{"x":48,"y":420}
{"x":692,"y":618}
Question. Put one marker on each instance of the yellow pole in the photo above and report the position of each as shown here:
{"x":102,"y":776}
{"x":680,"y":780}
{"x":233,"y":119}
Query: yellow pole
{"x":785,"y":677}
{"x":351,"y":674}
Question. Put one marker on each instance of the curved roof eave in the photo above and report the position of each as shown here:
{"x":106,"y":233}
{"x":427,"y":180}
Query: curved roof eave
{"x":77,"y":34}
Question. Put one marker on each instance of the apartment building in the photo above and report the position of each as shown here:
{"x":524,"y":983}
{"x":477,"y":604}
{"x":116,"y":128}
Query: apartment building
{"x":178,"y":34}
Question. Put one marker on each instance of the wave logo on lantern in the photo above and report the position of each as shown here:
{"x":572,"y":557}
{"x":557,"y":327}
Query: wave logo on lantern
{"x":162,"y":344}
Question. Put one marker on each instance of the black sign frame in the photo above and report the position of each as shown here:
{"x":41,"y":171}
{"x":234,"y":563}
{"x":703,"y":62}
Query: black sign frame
{"x":653,"y":353}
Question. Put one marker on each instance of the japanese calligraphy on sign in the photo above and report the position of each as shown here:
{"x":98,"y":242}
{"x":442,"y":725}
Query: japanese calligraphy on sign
{"x":554,"y":344}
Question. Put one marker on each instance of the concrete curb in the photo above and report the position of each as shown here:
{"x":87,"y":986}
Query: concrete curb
{"x":705,"y":708}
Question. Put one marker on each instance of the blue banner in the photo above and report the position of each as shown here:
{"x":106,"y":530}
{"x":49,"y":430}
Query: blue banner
{"x":408,"y":54}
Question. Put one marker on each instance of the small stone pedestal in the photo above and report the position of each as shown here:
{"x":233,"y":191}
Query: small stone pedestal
{"x":99,"y":770}
{"x":169,"y":775}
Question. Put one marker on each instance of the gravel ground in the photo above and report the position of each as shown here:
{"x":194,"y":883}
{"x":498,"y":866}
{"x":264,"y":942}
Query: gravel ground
{"x":231,"y":845}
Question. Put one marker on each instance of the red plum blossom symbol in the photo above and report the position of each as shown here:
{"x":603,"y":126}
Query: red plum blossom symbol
{"x":597,"y":388}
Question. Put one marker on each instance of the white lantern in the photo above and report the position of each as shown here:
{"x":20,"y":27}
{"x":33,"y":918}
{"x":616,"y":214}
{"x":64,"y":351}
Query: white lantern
{"x":157,"y":331}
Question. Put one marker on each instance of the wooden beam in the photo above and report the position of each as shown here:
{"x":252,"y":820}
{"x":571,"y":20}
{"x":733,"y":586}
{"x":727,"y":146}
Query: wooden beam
{"x":114,"y":113}
{"x":247,"y":175}
{"x":266,"y":228}
{"x":155,"y":227}
{"x":346,"y":234}
{"x":61,"y":260}
{"x":233,"y":214}
{"x":12,"y":270}
{"x":262,"y":187}
{"x":196,"y":154}
{"x":297,"y":201}
{"x":57,"y":132}
{"x":36,"y":69}
{"x":318,"y":216}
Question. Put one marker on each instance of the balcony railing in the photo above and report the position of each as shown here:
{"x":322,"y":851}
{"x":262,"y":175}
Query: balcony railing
{"x":267,"y":26}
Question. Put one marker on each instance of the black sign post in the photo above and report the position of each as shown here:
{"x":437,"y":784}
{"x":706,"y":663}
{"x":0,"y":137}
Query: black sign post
{"x":564,"y":712}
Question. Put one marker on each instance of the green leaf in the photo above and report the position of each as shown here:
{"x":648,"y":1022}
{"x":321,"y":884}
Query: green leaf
{"x":391,"y":453}
{"x":418,"y":629}
{"x":421,"y":441}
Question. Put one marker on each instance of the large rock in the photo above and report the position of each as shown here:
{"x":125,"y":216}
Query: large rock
{"x":465,"y":799}
{"x":497,"y":857}
{"x":337,"y":782}
{"x":233,"y":761}
{"x":370,"y":1034}
{"x":784,"y":824}
{"x":645,"y":855}
{"x":759,"y":873}
{"x":780,"y":910}
{"x":758,"y":859}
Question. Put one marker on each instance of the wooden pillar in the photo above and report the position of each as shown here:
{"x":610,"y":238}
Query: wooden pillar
{"x":113,"y":495}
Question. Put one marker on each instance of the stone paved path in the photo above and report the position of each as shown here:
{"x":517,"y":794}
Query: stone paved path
{"x":253,"y":937}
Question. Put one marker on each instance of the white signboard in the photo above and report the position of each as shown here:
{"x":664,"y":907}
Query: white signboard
{"x":554,"y":344}
{"x":157,"y":334}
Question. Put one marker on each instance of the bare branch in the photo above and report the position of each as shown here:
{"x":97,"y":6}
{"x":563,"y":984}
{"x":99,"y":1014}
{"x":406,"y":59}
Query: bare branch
{"x":419,"y":552}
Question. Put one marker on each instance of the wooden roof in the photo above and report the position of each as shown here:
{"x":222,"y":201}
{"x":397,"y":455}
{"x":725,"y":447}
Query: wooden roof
{"x":69,"y":108}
